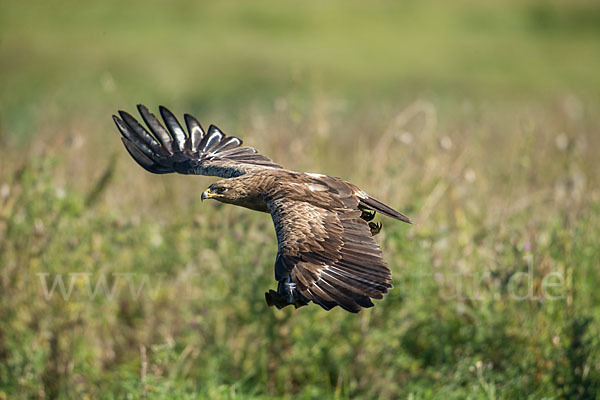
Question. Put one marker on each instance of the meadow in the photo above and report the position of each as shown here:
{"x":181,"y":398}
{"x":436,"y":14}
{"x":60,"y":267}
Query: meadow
{"x":479,"y":120}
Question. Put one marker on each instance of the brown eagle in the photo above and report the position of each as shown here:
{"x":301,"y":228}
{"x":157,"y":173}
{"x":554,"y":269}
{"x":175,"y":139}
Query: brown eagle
{"x":326,"y":251}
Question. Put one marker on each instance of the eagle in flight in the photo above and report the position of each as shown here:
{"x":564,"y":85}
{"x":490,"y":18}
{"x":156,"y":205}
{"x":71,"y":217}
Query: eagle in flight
{"x":326,"y":251}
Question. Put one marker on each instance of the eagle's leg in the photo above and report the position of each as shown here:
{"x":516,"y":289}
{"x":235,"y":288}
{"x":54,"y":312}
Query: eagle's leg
{"x":285,"y":295}
{"x":375,"y":227}
{"x":367,"y":215}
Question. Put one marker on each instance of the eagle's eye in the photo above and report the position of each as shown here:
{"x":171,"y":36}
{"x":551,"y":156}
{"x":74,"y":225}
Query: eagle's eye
{"x":219,"y":190}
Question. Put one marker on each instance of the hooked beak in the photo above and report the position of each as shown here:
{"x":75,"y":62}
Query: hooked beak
{"x":207,"y":195}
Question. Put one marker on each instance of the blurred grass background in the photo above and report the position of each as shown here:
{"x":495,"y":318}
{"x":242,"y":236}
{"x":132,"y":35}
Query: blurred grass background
{"x":479,"y":120}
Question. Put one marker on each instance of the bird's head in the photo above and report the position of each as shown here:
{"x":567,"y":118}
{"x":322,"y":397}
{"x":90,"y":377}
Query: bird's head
{"x":232,"y":191}
{"x":242,"y":191}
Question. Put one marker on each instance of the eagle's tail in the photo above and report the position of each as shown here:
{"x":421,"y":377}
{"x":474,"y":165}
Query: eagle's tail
{"x":374,"y":204}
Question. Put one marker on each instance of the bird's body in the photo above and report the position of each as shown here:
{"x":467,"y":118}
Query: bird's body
{"x":326,"y":250}
{"x":255,"y":189}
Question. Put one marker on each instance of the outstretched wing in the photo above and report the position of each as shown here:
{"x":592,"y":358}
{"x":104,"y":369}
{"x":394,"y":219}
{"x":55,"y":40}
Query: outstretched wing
{"x":329,"y":254}
{"x":173,"y":149}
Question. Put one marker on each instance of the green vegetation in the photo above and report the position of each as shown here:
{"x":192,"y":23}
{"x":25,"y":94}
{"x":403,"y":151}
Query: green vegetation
{"x":478,"y":120}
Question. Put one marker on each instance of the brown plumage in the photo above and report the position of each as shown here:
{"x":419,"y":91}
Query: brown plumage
{"x":326,"y":253}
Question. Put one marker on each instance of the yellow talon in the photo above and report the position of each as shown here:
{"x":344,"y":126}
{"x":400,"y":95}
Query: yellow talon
{"x":368,"y":215}
{"x":375,"y":227}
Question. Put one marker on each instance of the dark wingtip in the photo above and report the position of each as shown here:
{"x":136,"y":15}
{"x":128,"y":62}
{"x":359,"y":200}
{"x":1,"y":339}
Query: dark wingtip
{"x":124,"y":115}
{"x":164,"y":111}
{"x":120,"y":124}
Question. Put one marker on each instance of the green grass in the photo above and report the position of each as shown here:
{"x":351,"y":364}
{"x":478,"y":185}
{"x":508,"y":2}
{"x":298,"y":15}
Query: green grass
{"x":478,"y":120}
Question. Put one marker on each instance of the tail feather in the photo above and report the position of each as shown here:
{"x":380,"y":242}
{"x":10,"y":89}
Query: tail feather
{"x":374,"y":204}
